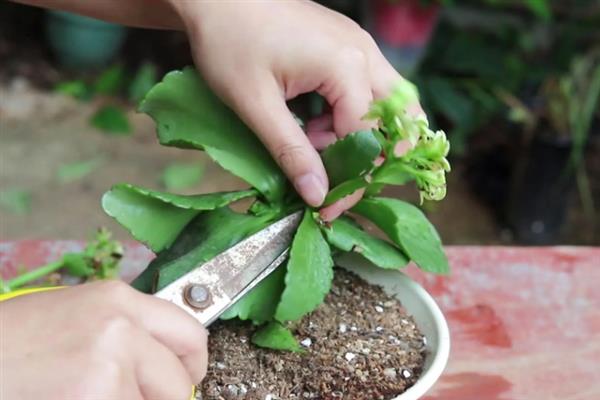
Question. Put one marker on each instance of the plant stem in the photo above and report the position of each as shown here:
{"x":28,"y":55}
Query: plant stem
{"x":32,"y":275}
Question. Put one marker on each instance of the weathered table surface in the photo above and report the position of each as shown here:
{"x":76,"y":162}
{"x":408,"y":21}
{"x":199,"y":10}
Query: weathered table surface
{"x":525,"y":322}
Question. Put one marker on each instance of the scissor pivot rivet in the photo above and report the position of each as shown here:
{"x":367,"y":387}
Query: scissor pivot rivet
{"x":197,"y":296}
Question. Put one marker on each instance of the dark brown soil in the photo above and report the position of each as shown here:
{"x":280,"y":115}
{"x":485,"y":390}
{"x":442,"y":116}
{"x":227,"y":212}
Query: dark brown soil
{"x":360,"y":344}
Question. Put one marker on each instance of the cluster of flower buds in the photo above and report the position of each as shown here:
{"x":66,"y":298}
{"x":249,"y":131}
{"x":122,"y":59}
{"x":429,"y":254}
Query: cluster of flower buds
{"x":425,"y":161}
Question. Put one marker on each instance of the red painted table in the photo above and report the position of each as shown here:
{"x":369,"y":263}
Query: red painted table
{"x":525,"y":322}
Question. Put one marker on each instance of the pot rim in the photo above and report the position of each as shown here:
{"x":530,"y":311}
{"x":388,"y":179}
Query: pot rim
{"x":439,"y":359}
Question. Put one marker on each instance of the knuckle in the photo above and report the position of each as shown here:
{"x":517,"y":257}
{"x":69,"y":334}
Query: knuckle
{"x":114,"y":291}
{"x":290,"y":156}
{"x":352,"y":55}
{"x":366,"y":38}
{"x":113,"y":330}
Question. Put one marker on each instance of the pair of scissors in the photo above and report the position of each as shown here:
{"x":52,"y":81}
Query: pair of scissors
{"x":209,"y":290}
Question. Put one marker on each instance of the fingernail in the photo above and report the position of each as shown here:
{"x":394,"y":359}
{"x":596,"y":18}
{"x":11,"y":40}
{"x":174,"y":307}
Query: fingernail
{"x":311,"y":189}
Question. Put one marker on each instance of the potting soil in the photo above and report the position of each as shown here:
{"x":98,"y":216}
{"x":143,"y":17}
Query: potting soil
{"x":359,"y":344}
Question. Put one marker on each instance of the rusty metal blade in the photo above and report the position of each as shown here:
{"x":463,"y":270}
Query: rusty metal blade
{"x":234,"y":272}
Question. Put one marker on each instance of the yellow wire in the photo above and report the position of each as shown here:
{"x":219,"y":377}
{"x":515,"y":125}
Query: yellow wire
{"x":21,"y":292}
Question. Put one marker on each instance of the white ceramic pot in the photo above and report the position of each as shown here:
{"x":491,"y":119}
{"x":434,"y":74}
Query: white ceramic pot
{"x":424,"y":310}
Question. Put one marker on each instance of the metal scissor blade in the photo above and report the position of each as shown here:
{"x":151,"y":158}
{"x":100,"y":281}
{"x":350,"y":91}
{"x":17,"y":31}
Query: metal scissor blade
{"x":207,"y":291}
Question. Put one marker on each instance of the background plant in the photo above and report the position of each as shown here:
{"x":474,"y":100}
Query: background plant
{"x":99,"y":260}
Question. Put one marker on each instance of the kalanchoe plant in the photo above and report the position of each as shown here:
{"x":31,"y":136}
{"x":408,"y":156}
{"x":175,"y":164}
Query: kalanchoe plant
{"x":185,"y":231}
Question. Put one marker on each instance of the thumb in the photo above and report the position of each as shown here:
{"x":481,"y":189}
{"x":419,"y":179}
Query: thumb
{"x":262,"y":107}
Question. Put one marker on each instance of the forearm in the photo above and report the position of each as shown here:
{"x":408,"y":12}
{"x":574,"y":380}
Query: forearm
{"x":139,"y":13}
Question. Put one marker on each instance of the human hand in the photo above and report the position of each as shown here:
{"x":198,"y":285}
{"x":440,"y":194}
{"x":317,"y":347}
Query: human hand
{"x":256,"y":55}
{"x":102,"y":340}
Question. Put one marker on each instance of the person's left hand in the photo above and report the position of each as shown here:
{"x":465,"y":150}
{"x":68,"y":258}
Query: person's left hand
{"x":256,"y":55}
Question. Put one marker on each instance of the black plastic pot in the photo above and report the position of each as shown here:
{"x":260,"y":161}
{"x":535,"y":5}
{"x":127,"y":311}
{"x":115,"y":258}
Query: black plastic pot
{"x":540,"y":191}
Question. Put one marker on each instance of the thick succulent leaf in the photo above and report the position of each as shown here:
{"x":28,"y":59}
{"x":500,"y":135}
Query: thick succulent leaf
{"x":207,"y":235}
{"x":407,"y":227}
{"x":309,"y":273}
{"x":200,"y":202}
{"x":189,"y":115}
{"x":344,"y":189}
{"x":351,"y":156}
{"x":149,"y":220}
{"x":156,"y":218}
{"x":260,"y":303}
{"x":277,"y":337}
{"x":347,"y":235}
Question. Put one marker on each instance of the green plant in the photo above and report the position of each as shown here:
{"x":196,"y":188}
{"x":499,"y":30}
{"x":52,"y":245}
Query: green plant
{"x":186,"y":231}
{"x":16,"y":201}
{"x":112,"y":118}
{"x":481,"y":48}
{"x":568,"y":104}
{"x":99,"y":260}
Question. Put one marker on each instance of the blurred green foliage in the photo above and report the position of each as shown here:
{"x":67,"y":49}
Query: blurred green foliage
{"x":111,"y":120}
{"x":483,"y":50}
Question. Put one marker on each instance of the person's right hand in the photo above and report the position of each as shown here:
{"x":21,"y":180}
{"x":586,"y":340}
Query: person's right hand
{"x":99,"y":341}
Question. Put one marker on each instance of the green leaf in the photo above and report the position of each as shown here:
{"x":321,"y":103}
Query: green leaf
{"x":142,"y":82}
{"x":16,"y":201}
{"x":392,"y":174}
{"x":344,"y":189}
{"x":110,"y":81}
{"x":77,"y":88}
{"x":374,"y":189}
{"x":179,"y":176}
{"x":260,"y":303}
{"x":156,"y":218}
{"x":408,"y":228}
{"x":450,"y":101}
{"x":309,"y":272}
{"x":209,"y":234}
{"x":351,"y":156}
{"x":77,"y":264}
{"x":347,"y":235}
{"x":74,"y":171}
{"x":277,"y":337}
{"x":541,"y":8}
{"x":189,"y":115}
{"x":200,"y":202}
{"x":112,"y":120}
